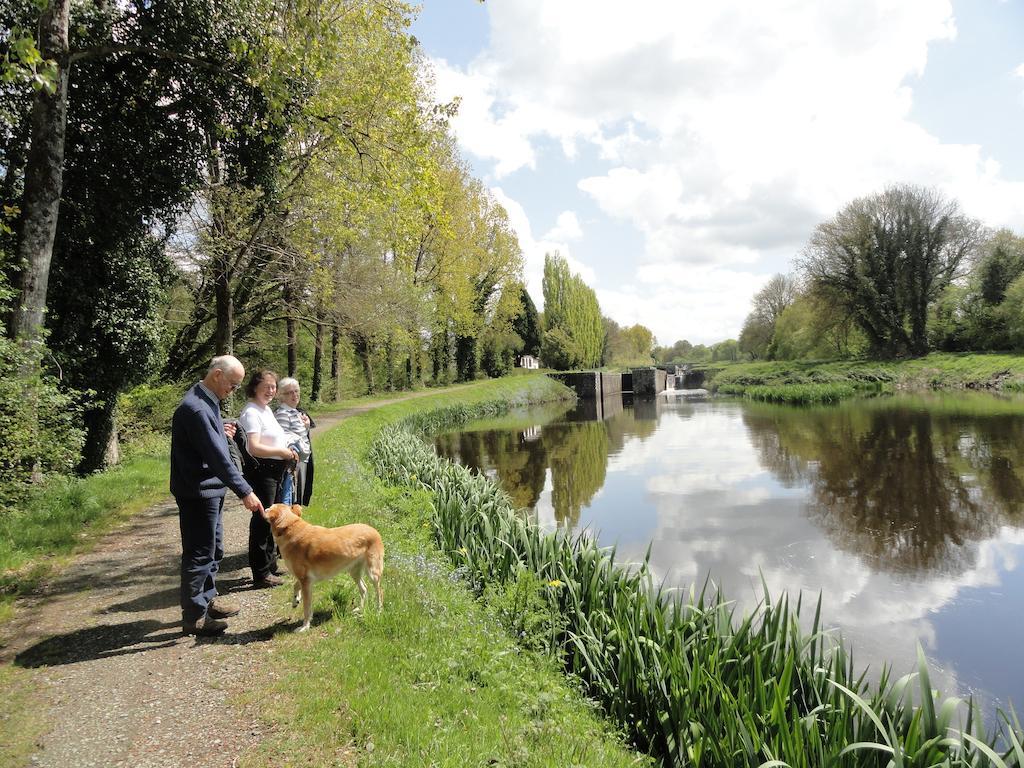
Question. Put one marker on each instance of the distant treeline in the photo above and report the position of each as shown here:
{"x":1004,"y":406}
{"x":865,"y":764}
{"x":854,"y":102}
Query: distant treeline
{"x":901,"y":273}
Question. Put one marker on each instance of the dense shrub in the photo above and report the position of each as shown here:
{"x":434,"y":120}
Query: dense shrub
{"x":41,"y":432}
{"x":560,"y":351}
{"x":147,"y":409}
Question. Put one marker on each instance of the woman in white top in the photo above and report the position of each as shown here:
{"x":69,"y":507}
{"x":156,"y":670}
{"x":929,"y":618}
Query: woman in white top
{"x":267,"y":442}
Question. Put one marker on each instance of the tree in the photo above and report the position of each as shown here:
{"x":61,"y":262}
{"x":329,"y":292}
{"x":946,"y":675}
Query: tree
{"x":527,"y":325}
{"x":977,"y":320}
{"x":131,"y":155}
{"x":778,"y":293}
{"x":887,"y":258}
{"x":560,"y":351}
{"x":815,"y":326}
{"x":43,"y":177}
{"x":632,"y":346}
{"x":571,"y":307}
{"x":725,"y":351}
{"x":756,"y":336}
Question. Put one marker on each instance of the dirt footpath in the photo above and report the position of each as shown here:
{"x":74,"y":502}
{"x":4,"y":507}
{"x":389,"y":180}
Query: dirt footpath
{"x":122,"y":685}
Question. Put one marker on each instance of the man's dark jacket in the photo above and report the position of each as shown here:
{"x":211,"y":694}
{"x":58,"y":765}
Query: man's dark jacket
{"x":200,"y":463}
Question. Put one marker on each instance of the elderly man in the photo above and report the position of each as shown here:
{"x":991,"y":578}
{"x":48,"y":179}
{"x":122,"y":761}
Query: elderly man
{"x":201,"y":471}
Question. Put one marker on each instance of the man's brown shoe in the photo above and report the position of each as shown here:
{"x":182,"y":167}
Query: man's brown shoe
{"x":222,"y":608}
{"x":270,"y":580}
{"x":205,"y":627}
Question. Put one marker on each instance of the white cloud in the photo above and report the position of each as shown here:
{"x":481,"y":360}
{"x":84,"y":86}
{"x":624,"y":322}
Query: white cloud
{"x":727,"y":130}
{"x":567,"y":227}
{"x":675,"y":300}
{"x":534,"y":250}
{"x":1019,"y":72}
{"x":493,"y":138}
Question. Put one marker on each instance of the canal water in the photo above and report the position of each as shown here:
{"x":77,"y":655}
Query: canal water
{"x":906,"y":513}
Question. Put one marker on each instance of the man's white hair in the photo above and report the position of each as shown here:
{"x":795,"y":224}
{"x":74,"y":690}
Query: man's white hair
{"x":226,"y":363}
{"x":287,"y":383}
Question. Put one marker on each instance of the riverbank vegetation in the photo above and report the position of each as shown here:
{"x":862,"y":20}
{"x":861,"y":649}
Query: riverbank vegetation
{"x":829,"y":381}
{"x":689,"y":680}
{"x":436,"y":678}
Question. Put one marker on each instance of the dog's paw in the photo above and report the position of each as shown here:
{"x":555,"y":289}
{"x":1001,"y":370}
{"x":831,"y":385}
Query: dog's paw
{"x":295,"y":601}
{"x":302,"y":628}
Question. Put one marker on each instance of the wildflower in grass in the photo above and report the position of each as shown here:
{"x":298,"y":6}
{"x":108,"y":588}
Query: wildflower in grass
{"x":556,"y":583}
{"x":463,"y":551}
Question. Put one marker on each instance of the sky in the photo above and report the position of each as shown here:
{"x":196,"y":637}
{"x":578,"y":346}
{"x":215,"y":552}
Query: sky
{"x":680,"y":153}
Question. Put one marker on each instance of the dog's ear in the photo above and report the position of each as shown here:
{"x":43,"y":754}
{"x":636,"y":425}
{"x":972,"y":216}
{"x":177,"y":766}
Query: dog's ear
{"x":297,"y":510}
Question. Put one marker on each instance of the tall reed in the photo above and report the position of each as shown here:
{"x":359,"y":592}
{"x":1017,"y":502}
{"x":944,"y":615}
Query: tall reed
{"x":691,"y":681}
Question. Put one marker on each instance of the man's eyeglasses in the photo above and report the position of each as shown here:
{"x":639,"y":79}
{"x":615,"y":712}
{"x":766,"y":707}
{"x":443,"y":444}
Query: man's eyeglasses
{"x":233,"y":387}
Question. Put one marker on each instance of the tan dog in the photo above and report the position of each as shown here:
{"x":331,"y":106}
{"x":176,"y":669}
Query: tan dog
{"x":314,"y":553}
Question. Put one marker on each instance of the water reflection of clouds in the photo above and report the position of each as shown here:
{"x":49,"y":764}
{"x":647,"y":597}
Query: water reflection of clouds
{"x":722,"y":515}
{"x":904,"y":522}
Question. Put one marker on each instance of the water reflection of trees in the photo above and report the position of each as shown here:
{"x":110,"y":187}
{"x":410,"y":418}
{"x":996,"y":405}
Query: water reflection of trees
{"x":908,"y":489}
{"x":575,"y":448}
{"x":579,"y":460}
{"x":517,"y":458}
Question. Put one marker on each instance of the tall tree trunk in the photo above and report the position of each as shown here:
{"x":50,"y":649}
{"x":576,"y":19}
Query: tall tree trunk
{"x":44,"y":178}
{"x":102,"y":443}
{"x":362,"y":345}
{"x":318,"y":363}
{"x":291,"y":328}
{"x":336,"y":363}
{"x":389,"y":357}
{"x":223,"y":333}
{"x":223,"y":296}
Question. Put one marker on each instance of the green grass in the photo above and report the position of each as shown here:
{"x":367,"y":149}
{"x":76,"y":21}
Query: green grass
{"x":807,"y":382}
{"x":67,"y":514}
{"x":795,"y":394}
{"x":435,"y":679}
{"x":688,"y":679}
{"x":21,"y":721}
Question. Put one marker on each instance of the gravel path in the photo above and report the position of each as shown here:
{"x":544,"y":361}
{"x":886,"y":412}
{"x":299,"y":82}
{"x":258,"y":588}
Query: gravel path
{"x":122,"y":685}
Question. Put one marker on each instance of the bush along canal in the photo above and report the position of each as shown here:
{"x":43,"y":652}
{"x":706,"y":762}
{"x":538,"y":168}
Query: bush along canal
{"x":690,"y":679}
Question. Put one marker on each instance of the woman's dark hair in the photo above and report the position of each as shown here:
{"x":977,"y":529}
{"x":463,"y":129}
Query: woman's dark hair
{"x":256,"y":379}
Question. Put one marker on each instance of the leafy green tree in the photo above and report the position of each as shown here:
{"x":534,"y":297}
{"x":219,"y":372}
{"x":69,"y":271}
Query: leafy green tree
{"x":526,"y":324}
{"x":560,"y":351}
{"x":887,"y":258}
{"x":132,"y":153}
{"x":817,"y":327}
{"x":768,"y":305}
{"x":571,"y":307}
{"x":982,"y":321}
{"x":1011,"y":313}
{"x":632,"y":346}
{"x":725,"y":351}
{"x":756,"y":336}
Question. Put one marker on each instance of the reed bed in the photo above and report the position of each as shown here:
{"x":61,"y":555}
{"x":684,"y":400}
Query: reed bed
{"x":793,"y":394}
{"x":690,"y":681}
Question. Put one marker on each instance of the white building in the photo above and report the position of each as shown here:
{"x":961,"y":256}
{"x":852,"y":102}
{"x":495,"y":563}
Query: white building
{"x":529,"y":361}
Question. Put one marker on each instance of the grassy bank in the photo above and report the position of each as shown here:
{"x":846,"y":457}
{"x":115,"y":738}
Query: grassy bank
{"x":67,"y":514}
{"x":805,"y":382}
{"x":435,"y":679}
{"x":689,"y":680}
